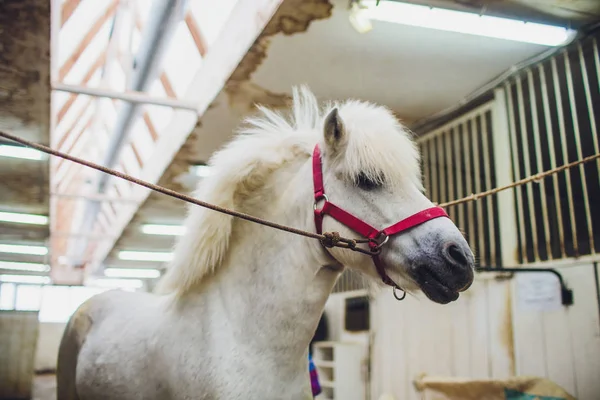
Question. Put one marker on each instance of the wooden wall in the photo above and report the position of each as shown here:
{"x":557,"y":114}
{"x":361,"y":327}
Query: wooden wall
{"x":485,"y":334}
{"x":564,"y":345}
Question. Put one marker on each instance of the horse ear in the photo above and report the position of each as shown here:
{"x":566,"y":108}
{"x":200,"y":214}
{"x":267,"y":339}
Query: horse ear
{"x":334,"y":130}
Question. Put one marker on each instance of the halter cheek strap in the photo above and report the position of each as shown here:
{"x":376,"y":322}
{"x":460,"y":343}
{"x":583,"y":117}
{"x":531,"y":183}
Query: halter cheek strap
{"x":377,"y":238}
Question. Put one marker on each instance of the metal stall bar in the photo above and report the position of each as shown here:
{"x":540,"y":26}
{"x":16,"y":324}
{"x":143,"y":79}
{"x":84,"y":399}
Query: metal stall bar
{"x":488,"y":185}
{"x":450,"y":168}
{"x":577,"y":137}
{"x":517,"y":174}
{"x":552,"y":153}
{"x":563,"y":145}
{"x":434,"y":163}
{"x":527,"y":168}
{"x":468,"y":184}
{"x":588,"y":99}
{"x":425,"y":158}
{"x":443,"y":167}
{"x":539,"y":164}
{"x":475,"y":133}
{"x":459,"y":177}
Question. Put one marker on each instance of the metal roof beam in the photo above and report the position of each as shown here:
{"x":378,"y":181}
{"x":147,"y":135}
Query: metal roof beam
{"x":129,"y":96}
{"x":163,"y":18}
{"x":246,"y":22}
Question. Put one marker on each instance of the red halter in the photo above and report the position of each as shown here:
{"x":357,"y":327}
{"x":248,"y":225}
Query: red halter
{"x":377,"y":237}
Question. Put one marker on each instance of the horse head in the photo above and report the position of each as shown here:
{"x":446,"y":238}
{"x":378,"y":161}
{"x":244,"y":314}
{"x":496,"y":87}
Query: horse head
{"x":370,"y":170}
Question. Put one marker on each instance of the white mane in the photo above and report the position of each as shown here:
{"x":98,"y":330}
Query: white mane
{"x":377,"y":144}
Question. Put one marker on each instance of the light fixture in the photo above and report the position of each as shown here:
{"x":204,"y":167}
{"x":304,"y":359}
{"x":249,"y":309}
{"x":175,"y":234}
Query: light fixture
{"x":159,"y":256}
{"x":34,"y":279}
{"x":23,"y":249}
{"x":465,"y":22}
{"x":168,"y":230}
{"x":114,"y":283}
{"x":20,"y":152}
{"x":24,"y":266}
{"x":19,"y":218}
{"x":131,"y":273}
{"x":202,"y":171}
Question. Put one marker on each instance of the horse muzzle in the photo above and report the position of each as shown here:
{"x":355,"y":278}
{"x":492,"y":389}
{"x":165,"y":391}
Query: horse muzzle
{"x":444,"y":276}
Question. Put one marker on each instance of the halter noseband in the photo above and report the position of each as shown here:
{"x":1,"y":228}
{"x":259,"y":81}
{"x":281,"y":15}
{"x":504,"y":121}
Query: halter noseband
{"x":377,"y":238}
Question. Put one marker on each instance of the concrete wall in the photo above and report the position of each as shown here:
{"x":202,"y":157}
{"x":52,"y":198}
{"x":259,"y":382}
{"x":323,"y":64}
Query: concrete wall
{"x":26,"y":347}
{"x":18,"y":337}
{"x":48,"y":341}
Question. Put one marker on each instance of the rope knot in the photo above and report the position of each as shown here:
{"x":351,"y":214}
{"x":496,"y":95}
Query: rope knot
{"x":331,"y":239}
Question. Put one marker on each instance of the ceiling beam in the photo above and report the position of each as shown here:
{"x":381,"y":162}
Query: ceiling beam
{"x":166,"y":83}
{"x":67,"y":133}
{"x":163,"y":18}
{"x":93,"y":197}
{"x":78,"y":137}
{"x":169,"y":91}
{"x":85,"y":41}
{"x":129,"y":96}
{"x":88,"y":76}
{"x":199,"y":40}
{"x":67,"y":9}
{"x":245,"y":23}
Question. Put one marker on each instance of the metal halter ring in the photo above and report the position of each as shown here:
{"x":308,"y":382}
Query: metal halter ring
{"x":399,"y":298}
{"x":321,"y":197}
{"x":376,"y":248}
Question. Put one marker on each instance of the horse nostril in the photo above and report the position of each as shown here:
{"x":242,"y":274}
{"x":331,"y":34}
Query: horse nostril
{"x":457,"y":255}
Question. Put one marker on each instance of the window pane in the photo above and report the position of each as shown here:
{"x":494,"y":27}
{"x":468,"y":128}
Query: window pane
{"x":55,"y":304}
{"x":28,"y":297}
{"x":60,"y":302}
{"x":79,"y":294}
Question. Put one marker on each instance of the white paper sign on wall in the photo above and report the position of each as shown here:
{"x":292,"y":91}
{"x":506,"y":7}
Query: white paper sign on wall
{"x":538,"y":291}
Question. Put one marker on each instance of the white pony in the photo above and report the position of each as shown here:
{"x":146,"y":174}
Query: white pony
{"x":240,"y":302}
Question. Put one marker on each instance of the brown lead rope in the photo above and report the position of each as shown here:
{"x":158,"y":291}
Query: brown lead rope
{"x":327,"y":239}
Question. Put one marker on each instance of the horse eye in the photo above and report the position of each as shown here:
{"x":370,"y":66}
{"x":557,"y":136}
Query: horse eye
{"x":366,"y":183}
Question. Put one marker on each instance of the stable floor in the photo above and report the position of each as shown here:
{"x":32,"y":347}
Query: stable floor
{"x":44,"y":387}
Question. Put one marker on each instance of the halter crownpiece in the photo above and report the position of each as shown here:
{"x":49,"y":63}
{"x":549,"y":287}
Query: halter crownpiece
{"x":377,"y":238}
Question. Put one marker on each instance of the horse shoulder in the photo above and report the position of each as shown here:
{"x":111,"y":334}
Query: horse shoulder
{"x":73,"y":338}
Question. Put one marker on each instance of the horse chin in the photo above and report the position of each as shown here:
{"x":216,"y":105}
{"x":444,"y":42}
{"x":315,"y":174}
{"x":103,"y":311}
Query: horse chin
{"x":433,"y":287}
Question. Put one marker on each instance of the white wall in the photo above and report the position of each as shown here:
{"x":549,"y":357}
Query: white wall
{"x":486,"y":335}
{"x":564,"y":345}
{"x":417,"y":336}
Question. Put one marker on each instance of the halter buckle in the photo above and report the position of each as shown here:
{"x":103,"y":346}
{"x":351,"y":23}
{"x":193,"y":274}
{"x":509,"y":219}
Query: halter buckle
{"x":318,"y":199}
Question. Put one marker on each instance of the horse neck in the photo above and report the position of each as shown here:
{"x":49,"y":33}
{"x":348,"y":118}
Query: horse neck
{"x":273,"y":285}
